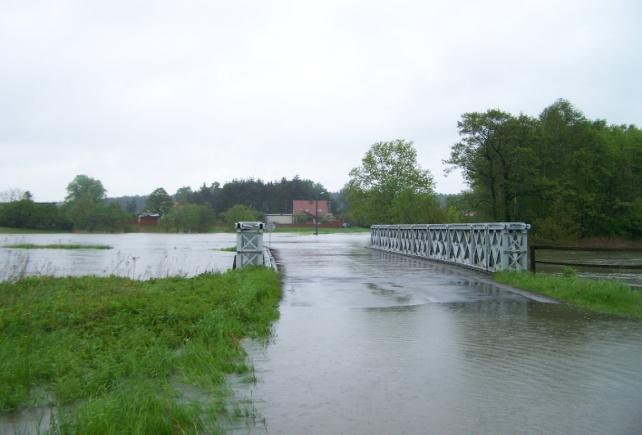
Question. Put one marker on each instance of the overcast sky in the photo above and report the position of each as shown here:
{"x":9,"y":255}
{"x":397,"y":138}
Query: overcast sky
{"x":147,"y":94}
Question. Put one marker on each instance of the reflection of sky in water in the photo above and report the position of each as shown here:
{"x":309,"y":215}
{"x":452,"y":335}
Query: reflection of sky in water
{"x":370,"y":342}
{"x":376,"y":343}
{"x":138,"y":256}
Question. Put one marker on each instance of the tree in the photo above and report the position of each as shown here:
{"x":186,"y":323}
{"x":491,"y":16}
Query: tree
{"x":11,"y":195}
{"x":85,"y":188}
{"x":567,"y":175}
{"x":188,"y":218}
{"x":159,"y":202}
{"x":494,"y":156}
{"x":27,"y":214}
{"x":131,"y":206}
{"x":183,"y":195}
{"x":389,"y":184}
{"x":84,"y":196}
{"x":239,"y":213}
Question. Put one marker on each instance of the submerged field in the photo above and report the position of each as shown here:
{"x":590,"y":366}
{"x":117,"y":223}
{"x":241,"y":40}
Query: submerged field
{"x":55,"y":246}
{"x":113,"y":355}
{"x":610,"y":297}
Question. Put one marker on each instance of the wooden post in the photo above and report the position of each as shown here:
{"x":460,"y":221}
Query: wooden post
{"x":531,"y":258}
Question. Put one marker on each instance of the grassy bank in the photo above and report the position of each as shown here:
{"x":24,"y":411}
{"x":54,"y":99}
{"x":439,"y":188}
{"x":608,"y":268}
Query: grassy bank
{"x":113,"y":355}
{"x":56,"y":246}
{"x":10,"y":230}
{"x":602,"y":296}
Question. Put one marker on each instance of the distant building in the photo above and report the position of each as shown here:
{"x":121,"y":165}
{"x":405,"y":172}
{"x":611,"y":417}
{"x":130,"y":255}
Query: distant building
{"x":148,"y":219}
{"x":279,"y":219}
{"x":311,"y":207}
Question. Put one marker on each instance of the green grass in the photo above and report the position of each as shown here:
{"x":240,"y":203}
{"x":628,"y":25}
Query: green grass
{"x":228,"y":249}
{"x":10,"y":230}
{"x":113,"y":355}
{"x":56,"y":246}
{"x":611,"y":297}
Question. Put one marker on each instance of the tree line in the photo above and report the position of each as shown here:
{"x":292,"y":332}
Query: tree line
{"x":86,"y":207}
{"x":569,"y":176}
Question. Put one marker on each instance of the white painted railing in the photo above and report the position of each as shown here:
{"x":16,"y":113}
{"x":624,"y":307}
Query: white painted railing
{"x":485,"y":246}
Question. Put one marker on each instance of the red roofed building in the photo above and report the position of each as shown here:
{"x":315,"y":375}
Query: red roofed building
{"x":307,"y":206}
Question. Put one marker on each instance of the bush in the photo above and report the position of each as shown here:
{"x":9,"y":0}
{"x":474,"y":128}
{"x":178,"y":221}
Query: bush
{"x":239,"y":213}
{"x":188,"y":218}
{"x":28,"y":214}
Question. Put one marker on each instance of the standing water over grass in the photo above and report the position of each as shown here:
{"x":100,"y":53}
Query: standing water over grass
{"x":114,"y":355}
{"x":139,"y":256}
{"x":370,"y":342}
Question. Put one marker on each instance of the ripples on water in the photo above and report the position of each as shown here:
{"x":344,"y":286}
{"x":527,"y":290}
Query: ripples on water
{"x":139,"y":256}
{"x":375,"y":343}
{"x":633,"y":277}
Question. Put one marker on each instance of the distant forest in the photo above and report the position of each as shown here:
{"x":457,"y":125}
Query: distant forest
{"x":264,"y":197}
{"x":569,"y":176}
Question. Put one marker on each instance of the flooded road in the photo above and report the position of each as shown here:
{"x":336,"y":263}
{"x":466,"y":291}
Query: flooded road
{"x":374,"y":343}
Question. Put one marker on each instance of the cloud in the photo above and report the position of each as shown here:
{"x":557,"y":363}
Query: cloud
{"x":142,"y":95}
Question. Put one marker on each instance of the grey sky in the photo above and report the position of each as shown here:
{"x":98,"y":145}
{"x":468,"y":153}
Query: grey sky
{"x":144,"y":94}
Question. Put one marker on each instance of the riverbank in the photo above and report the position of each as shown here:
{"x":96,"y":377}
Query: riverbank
{"x":11,"y":230}
{"x":113,"y":355}
{"x":602,"y":296}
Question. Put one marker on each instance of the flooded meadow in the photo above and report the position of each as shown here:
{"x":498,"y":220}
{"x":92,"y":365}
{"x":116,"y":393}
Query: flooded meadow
{"x":375,"y":343}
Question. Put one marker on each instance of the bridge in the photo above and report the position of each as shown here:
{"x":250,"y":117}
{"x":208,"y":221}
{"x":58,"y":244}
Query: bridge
{"x":484,"y":246}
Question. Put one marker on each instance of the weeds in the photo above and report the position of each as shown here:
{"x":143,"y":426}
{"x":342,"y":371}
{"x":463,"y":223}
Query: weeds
{"x":228,"y":249}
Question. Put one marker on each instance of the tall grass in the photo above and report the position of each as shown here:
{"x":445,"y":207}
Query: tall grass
{"x":602,"y":296}
{"x":111,"y":354}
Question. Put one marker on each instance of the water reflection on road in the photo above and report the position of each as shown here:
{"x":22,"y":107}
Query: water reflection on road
{"x":373,"y":343}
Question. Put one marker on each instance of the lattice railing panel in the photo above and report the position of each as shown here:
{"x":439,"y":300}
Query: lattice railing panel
{"x":486,"y":246}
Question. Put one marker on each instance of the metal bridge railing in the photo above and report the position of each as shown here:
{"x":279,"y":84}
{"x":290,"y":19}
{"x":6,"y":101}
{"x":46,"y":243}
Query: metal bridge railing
{"x":484,"y":246}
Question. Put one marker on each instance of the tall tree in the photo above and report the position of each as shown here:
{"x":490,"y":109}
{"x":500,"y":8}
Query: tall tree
{"x":388,"y":184}
{"x":84,"y":196}
{"x":183,"y":195}
{"x":493,"y":154}
{"x":567,"y":175}
{"x":159,"y":202}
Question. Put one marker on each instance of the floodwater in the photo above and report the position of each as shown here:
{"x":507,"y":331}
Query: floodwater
{"x":631,"y":276}
{"x":139,"y":256}
{"x":375,"y":343}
